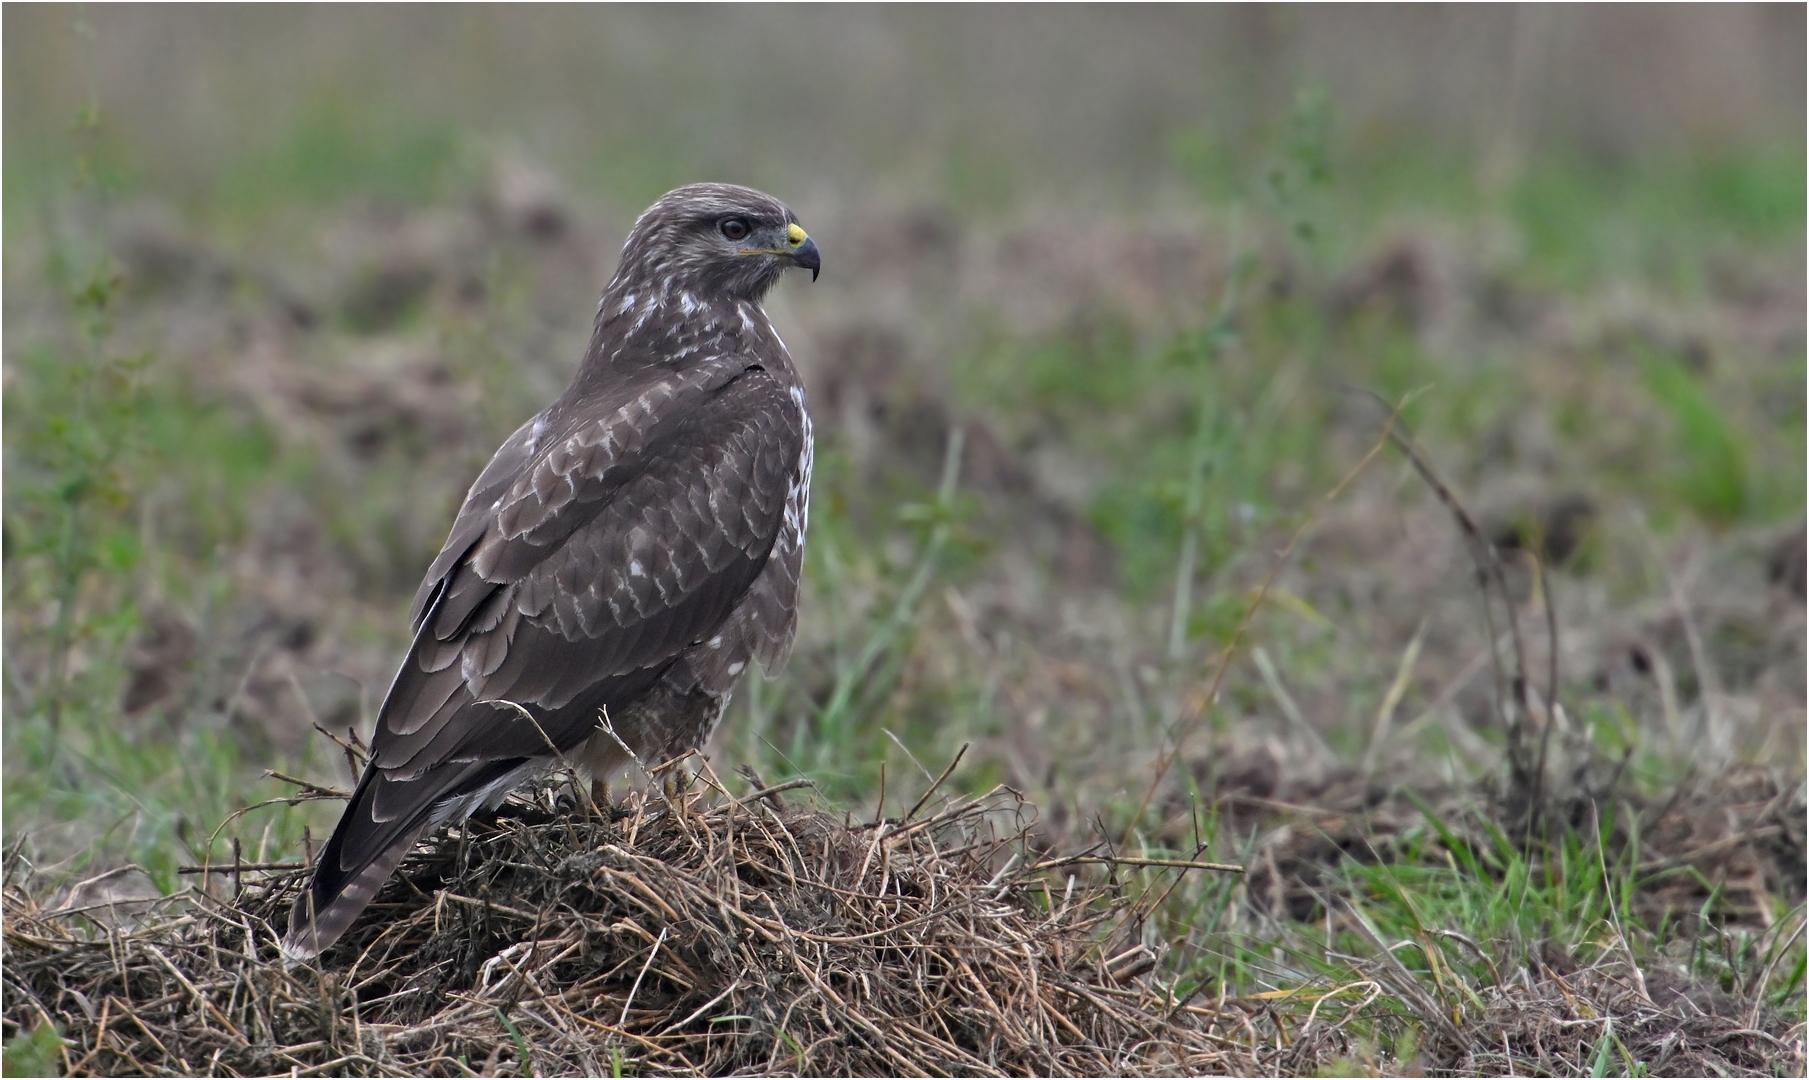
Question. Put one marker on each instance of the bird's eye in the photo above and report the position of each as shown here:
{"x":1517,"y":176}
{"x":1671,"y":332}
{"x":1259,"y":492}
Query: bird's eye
{"x":734,"y":228}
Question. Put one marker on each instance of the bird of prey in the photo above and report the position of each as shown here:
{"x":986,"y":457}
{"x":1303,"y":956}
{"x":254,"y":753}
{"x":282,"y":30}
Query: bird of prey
{"x":614,"y":569}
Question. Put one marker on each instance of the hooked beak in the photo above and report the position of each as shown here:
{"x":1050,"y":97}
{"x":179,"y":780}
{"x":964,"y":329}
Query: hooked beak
{"x":798,"y":247}
{"x":805,"y":256}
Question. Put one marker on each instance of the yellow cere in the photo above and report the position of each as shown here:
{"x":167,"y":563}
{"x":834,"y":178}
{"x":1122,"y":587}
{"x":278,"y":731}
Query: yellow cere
{"x":796,"y":234}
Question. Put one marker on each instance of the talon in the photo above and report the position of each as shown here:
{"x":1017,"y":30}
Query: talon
{"x":677,"y":786}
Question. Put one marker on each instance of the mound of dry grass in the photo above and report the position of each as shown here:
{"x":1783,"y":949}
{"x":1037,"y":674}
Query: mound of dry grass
{"x":747,"y":936}
{"x":729,"y":936}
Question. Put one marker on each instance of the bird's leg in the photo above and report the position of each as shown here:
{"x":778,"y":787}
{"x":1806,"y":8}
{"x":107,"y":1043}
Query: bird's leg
{"x":599,"y":797}
{"x":676,"y":785}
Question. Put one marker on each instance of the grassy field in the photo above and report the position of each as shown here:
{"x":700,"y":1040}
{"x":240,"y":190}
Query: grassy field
{"x":1104,"y":493}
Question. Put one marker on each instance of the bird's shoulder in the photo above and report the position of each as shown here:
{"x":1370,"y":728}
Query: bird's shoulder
{"x":648,"y":370}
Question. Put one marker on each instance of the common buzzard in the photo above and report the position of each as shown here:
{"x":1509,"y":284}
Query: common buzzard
{"x":618,"y":563}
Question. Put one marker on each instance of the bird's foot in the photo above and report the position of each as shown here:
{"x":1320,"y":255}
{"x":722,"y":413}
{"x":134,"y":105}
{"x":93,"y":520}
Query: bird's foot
{"x":677,"y":788}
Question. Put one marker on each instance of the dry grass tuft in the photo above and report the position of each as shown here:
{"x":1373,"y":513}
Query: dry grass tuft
{"x":730,"y":936}
{"x":1606,"y":1019}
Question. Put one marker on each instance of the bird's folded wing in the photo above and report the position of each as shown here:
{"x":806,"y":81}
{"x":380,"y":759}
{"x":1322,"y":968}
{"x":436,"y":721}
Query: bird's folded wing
{"x":593,"y":557}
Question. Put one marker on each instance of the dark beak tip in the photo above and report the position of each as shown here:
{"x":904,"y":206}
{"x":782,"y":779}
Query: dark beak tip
{"x":807,"y":258}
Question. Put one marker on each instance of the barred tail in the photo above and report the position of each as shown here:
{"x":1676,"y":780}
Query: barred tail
{"x":353,"y":865}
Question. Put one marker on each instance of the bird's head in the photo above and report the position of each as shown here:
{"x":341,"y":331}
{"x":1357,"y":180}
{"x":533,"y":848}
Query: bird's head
{"x":715,"y":240}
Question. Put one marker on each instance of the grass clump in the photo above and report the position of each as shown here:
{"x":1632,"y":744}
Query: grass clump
{"x":723,"y":935}
{"x":1432,"y":938}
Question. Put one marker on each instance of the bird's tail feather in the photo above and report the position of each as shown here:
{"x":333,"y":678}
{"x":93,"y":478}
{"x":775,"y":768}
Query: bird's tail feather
{"x":372,"y":838}
{"x":317,"y":921}
{"x":357,"y":860}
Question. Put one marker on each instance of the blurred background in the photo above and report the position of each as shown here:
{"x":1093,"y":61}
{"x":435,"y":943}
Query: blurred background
{"x":1104,"y":291}
{"x":855,"y":103}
